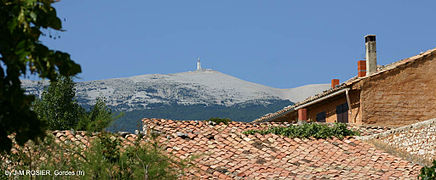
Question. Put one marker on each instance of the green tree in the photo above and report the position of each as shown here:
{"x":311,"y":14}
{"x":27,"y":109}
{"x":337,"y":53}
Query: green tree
{"x":21,"y":53}
{"x":59,"y":109}
{"x":98,"y":118}
{"x":57,"y":106}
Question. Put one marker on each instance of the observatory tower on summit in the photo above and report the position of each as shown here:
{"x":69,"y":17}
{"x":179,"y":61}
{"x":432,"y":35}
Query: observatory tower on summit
{"x":198,"y":65}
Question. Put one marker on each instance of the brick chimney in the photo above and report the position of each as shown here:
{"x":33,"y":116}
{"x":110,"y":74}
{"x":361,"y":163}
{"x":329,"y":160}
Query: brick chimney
{"x":302,"y":115}
{"x":371,"y":55}
{"x":335,"y":82}
{"x":361,"y":68}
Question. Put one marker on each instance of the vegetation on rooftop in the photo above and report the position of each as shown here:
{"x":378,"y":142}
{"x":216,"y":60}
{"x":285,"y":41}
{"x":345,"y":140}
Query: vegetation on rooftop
{"x":220,"y":120}
{"x":315,"y":130}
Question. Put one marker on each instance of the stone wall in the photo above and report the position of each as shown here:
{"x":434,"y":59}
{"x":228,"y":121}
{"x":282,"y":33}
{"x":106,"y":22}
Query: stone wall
{"x":418,"y":139}
{"x":401,"y":96}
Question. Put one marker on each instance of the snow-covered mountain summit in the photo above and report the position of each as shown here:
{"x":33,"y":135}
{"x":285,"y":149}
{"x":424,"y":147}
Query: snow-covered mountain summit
{"x":206,"y":87}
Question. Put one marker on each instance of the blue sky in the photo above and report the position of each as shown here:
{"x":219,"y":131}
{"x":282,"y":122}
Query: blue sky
{"x":280,"y":43}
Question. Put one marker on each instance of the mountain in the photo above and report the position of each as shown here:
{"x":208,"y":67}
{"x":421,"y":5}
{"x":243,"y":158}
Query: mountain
{"x":197,"y":94}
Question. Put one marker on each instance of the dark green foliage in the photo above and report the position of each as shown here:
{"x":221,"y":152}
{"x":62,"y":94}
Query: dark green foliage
{"x":59,"y":109}
{"x":110,"y":148}
{"x":244,"y":112}
{"x":318,"y":131}
{"x":428,"y":173}
{"x":57,"y":106}
{"x":98,"y":118}
{"x":220,"y":120}
{"x":21,"y":52}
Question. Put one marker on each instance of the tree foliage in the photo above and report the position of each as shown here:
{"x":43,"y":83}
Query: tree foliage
{"x":99,"y":117}
{"x":21,"y":24}
{"x":57,"y":107}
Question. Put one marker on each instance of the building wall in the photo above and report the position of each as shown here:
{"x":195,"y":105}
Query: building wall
{"x":402,"y":96}
{"x":356,"y":112}
{"x":329,"y":106}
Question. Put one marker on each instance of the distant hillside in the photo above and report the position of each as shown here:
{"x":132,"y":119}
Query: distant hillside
{"x":244,"y":112}
{"x":187,"y":95}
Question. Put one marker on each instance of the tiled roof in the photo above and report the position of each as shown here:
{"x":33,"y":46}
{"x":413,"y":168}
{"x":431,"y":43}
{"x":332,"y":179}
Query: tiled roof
{"x":380,"y":70}
{"x":224,"y":152}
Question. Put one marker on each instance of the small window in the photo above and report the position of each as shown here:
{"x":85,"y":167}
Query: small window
{"x":320,"y":117}
{"x":342,"y":113}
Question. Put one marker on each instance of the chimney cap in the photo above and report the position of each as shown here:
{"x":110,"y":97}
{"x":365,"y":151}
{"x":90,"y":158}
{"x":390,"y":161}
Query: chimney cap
{"x":370,"y":37}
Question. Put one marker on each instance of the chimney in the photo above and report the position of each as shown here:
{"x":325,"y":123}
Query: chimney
{"x":302,"y":115}
{"x":371,"y":55}
{"x":361,"y":68}
{"x":335,"y":82}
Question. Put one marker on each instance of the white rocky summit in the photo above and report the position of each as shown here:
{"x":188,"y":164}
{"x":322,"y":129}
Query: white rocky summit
{"x":203,"y":86}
